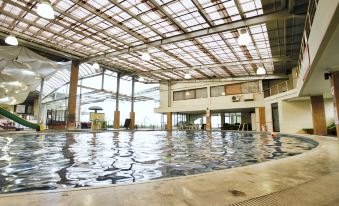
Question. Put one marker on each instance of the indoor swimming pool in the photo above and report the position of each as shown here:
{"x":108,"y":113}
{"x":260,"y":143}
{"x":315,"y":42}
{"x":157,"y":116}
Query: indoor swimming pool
{"x":69,"y":160}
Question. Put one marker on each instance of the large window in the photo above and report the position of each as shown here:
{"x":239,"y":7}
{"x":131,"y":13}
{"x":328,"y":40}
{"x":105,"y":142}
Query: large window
{"x":190,"y":94}
{"x":233,"y":118}
{"x":232,"y":89}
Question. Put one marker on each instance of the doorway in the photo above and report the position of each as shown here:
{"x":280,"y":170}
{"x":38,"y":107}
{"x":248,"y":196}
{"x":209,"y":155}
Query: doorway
{"x":275,"y":117}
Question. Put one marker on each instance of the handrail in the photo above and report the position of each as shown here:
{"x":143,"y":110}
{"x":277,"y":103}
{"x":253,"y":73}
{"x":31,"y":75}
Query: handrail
{"x":312,"y":7}
{"x":279,"y":88}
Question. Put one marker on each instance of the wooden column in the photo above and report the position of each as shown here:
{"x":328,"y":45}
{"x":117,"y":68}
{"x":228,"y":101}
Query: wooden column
{"x":169,"y":121}
{"x":318,"y":115}
{"x":222,"y":119}
{"x":335,"y":94}
{"x":208,"y":120}
{"x":72,"y":98}
{"x":116,"y":123}
{"x":132,"y":113}
{"x":262,"y":119}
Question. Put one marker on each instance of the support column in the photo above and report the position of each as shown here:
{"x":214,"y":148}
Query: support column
{"x":318,"y":115}
{"x":116,"y":123}
{"x":335,"y":94}
{"x":79,"y":105}
{"x":40,"y":101}
{"x":208,"y":120}
{"x":72,"y":97}
{"x":132,"y":114}
{"x":169,"y":121}
{"x":222,"y":119}
{"x":260,"y":118}
{"x":103,"y":79}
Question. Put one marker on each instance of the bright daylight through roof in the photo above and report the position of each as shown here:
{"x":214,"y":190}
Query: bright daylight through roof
{"x":164,"y":102}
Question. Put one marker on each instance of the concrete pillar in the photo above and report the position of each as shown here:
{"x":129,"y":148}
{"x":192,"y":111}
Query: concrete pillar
{"x":208,"y":120}
{"x":169,"y":121}
{"x":116,"y":124}
{"x":318,"y":115}
{"x":260,"y":118}
{"x":132,"y":113}
{"x":72,"y":97}
{"x":79,"y":105}
{"x":39,"y":119}
{"x":222,"y":118}
{"x":169,"y":97}
{"x":335,"y":94}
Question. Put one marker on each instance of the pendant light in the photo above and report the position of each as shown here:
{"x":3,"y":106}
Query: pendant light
{"x":187,"y":76}
{"x":145,"y":56}
{"x":244,"y":38}
{"x":11,"y":40}
{"x":261,"y":71}
{"x":96,"y":66}
{"x":141,"y":79}
{"x":45,"y":9}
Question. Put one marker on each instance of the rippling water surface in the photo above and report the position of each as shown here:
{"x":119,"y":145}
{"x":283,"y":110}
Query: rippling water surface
{"x":68,"y":160}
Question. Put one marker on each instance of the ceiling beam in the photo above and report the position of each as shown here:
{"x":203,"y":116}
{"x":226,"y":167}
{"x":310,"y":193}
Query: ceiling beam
{"x":39,"y":47}
{"x":229,"y":79}
{"x":256,"y":61}
{"x":282,"y":14}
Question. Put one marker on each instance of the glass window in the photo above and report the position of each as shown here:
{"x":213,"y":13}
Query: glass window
{"x":190,"y":94}
{"x":217,"y":91}
{"x":201,"y":93}
{"x":179,"y":95}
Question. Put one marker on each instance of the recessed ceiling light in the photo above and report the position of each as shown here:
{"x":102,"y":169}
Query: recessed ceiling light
{"x":11,"y":40}
{"x":244,"y":39}
{"x":45,"y":9}
{"x":261,"y":71}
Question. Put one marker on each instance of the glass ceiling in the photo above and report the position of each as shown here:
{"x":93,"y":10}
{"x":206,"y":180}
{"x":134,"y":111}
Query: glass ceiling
{"x":96,"y":27}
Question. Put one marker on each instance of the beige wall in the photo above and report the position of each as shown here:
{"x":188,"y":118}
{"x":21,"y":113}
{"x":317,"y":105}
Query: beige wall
{"x":213,"y":103}
{"x":294,"y":113}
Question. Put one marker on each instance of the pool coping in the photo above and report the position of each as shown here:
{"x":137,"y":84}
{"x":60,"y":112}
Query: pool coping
{"x":159,"y":188}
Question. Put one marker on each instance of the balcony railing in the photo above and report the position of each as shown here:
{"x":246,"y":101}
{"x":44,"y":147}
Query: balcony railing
{"x":279,"y":88}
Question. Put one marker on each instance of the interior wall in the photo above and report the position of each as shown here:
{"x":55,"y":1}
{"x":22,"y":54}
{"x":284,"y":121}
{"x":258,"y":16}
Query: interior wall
{"x":246,"y":118}
{"x":329,"y":111}
{"x":295,"y":115}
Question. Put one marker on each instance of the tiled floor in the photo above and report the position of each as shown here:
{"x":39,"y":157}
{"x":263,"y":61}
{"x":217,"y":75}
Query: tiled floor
{"x":311,"y":178}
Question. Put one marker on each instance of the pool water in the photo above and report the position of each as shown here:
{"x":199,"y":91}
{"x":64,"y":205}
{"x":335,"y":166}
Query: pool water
{"x":68,"y":160}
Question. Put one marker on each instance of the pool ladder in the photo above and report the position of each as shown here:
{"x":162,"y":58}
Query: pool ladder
{"x":243,"y":127}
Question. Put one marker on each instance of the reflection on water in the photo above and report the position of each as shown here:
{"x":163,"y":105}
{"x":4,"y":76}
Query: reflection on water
{"x":53,"y":161}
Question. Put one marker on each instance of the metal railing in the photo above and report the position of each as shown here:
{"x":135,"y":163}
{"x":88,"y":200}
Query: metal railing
{"x":279,"y":88}
{"x":312,"y":7}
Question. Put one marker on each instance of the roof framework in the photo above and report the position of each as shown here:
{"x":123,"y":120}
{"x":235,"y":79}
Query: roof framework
{"x":195,"y":36}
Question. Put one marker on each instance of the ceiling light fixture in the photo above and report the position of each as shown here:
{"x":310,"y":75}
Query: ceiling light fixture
{"x":45,"y":9}
{"x":261,"y":71}
{"x":11,"y":40}
{"x":96,"y":66}
{"x":28,"y":72}
{"x":244,"y":38}
{"x":187,"y":76}
{"x":145,"y":56}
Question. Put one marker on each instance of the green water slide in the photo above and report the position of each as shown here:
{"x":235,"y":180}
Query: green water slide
{"x":19,"y":120}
